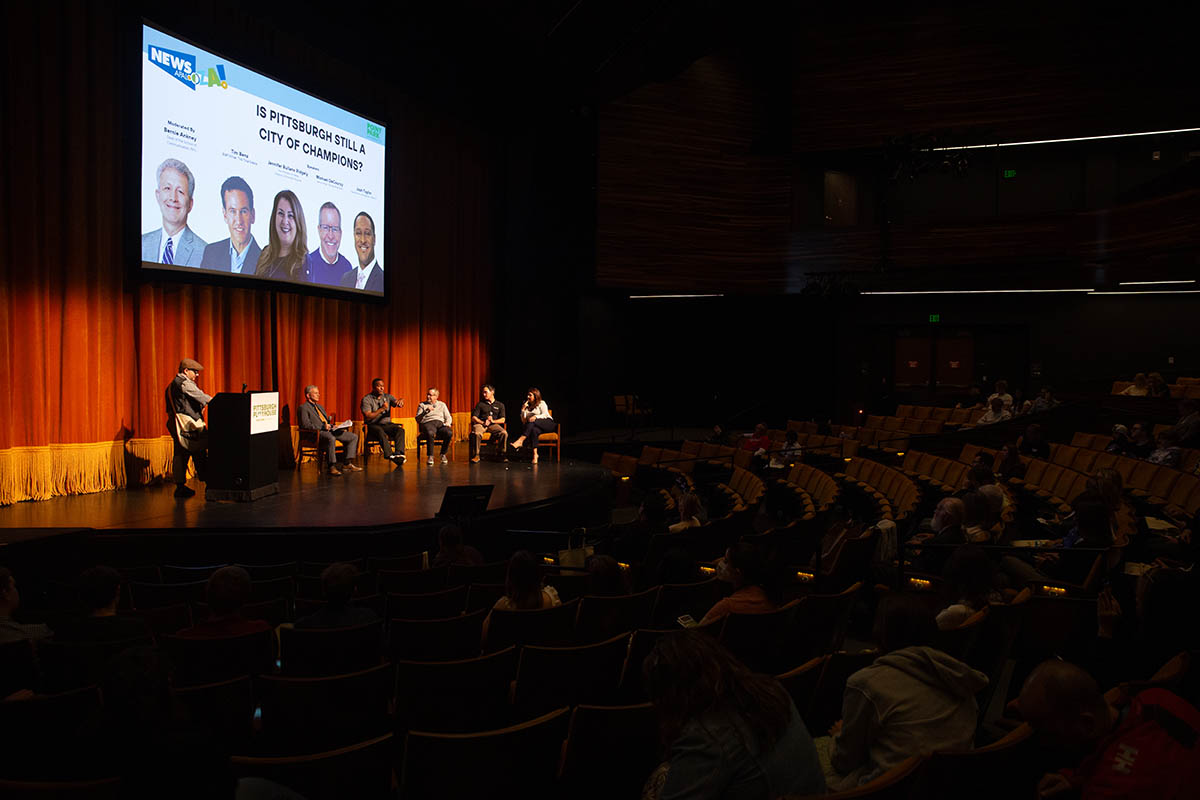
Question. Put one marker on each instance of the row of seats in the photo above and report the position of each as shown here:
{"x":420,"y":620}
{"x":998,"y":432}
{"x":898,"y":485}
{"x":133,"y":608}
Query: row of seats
{"x":1155,"y":484}
{"x":949,"y":416}
{"x":1179,"y":390}
{"x":822,"y":489}
{"x":1189,"y":459}
{"x":809,"y":439}
{"x":894,"y":493}
{"x":909,"y":424}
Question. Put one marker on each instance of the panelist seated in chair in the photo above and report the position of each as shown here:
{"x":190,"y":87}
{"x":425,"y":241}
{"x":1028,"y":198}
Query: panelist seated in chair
{"x":312,"y":417}
{"x":536,"y":420}
{"x":377,"y":413}
{"x":434,"y":422}
{"x":488,"y":417}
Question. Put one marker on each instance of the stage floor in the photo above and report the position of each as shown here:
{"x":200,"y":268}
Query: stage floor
{"x":380,"y":495}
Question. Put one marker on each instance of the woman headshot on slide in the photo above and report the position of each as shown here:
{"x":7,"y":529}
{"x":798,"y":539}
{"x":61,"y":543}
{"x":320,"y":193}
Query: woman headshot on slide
{"x":286,"y":254}
{"x":535,"y":417}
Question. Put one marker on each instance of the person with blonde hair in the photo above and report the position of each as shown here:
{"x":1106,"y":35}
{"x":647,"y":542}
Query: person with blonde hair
{"x":1139,"y":388}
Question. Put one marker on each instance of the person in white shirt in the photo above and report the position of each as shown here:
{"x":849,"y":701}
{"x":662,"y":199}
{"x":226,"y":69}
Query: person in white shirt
{"x":535,"y":416}
{"x":997,"y":413}
{"x":1002,"y":393}
{"x":434,"y":422}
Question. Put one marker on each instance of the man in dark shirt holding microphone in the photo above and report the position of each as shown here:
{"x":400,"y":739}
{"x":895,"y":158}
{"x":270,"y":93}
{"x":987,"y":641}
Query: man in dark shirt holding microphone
{"x":488,"y":417}
{"x":377,"y":408}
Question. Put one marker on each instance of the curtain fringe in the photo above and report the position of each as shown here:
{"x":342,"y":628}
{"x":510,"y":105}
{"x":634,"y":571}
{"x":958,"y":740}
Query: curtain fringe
{"x":42,"y":472}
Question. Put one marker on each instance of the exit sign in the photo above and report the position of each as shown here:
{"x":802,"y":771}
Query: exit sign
{"x":935,"y":317}
{"x":1010,"y":173}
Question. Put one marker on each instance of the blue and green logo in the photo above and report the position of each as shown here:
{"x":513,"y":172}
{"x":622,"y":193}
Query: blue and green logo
{"x":182,"y":67}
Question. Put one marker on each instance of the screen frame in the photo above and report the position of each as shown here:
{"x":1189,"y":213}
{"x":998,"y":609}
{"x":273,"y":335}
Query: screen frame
{"x":137,"y":271}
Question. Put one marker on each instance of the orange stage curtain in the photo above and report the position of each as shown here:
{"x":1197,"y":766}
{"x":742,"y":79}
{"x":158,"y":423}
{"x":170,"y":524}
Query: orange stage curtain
{"x":87,"y":350}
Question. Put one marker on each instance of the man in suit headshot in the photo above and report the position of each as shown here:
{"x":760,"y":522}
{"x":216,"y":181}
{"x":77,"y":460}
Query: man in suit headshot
{"x":239,"y":253}
{"x":326,"y":264}
{"x":369,"y":273}
{"x":174,"y":243}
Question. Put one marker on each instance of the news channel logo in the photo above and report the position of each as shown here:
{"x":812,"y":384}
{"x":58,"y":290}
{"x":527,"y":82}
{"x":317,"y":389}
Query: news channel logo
{"x":182,"y":67}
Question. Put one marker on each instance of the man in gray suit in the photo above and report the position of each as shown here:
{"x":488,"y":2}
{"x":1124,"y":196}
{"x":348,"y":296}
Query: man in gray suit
{"x":174,"y":243}
{"x":312,"y":417}
{"x":239,"y":253}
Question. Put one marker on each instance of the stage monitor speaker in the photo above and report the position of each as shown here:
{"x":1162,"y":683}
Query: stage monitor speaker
{"x":465,"y":502}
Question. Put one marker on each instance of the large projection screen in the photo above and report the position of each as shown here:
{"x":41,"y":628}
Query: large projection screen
{"x":248,"y":178}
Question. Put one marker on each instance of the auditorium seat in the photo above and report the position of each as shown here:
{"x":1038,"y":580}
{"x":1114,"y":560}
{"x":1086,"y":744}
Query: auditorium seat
{"x":633,"y":689}
{"x":157,"y":595}
{"x":312,"y":652}
{"x":172,"y":573}
{"x":273,"y":612}
{"x":551,"y":677}
{"x":45,"y":736}
{"x":997,"y":771}
{"x":801,"y":682}
{"x":165,"y":619}
{"x":627,"y":736}
{"x":694,"y":599}
{"x":447,"y":639}
{"x":71,"y":665}
{"x":430,"y":605}
{"x":306,"y":715}
{"x":569,"y":584}
{"x":362,"y":770}
{"x":601,"y":618}
{"x":483,"y":596}
{"x":407,"y":563}
{"x":960,"y":641}
{"x":553,"y":439}
{"x":826,"y":707}
{"x":541,"y":626}
{"x":469,"y":574}
{"x":822,"y":620}
{"x":315,"y":568}
{"x":201,"y":661}
{"x":764,"y":642}
{"x":226,"y":708}
{"x":456,"y":696}
{"x":419,"y":581}
{"x":519,"y":761}
{"x":263,"y":572}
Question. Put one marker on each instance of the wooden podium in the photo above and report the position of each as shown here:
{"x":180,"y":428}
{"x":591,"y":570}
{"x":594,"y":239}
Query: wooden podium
{"x":243,"y":446}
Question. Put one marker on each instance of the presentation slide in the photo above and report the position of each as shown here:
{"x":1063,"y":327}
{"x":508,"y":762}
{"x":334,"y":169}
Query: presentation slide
{"x":243,"y":175}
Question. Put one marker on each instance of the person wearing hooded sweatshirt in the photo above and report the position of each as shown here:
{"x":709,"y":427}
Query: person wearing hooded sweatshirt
{"x":913,"y":700}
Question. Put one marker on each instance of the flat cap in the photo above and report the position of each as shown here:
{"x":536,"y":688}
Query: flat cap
{"x":190,"y":363}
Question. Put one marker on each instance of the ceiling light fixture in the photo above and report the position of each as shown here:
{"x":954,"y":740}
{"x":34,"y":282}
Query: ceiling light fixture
{"x":670,"y":296}
{"x":1151,"y":283}
{"x":981,"y":291}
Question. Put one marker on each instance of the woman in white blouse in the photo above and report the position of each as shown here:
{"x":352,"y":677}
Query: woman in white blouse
{"x":535,"y":416}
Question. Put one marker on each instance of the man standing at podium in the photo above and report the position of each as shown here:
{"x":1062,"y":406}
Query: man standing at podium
{"x":185,"y":422}
{"x":312,"y":417}
{"x":377,"y":413}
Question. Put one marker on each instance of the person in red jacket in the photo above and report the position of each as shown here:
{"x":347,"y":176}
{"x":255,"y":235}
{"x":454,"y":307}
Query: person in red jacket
{"x":1145,"y":746}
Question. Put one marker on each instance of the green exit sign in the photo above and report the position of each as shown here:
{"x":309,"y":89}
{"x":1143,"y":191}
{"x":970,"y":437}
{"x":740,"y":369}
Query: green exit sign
{"x":1010,"y":173}
{"x":935,"y":317}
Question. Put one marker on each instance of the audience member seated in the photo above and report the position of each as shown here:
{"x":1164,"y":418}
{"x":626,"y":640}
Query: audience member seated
{"x":717,"y":436}
{"x":997,"y":412}
{"x":99,"y":590}
{"x":523,"y":588}
{"x":629,"y":542}
{"x":1187,"y":429}
{"x":1119,"y":441}
{"x":1033,"y":443}
{"x":10,"y":599}
{"x":227,"y":591}
{"x":728,"y":732}
{"x":1009,"y":464}
{"x":1142,"y":748}
{"x":1131,"y":647}
{"x":1134,"y":442}
{"x":947,"y":527}
{"x":1158,"y":387}
{"x":605,"y":577}
{"x":337,"y":584}
{"x":689,"y":513}
{"x":914,"y":699}
{"x":758,"y":443}
{"x":791,"y":452}
{"x":744,"y":567}
{"x":1092,"y":530}
{"x":451,"y":549}
{"x":977,"y":518}
{"x":1044,"y":401}
{"x":1002,"y":395}
{"x":1139,"y":388}
{"x":146,"y":740}
{"x":1167,"y":453}
{"x":970,"y":584}
{"x":1108,"y":485}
